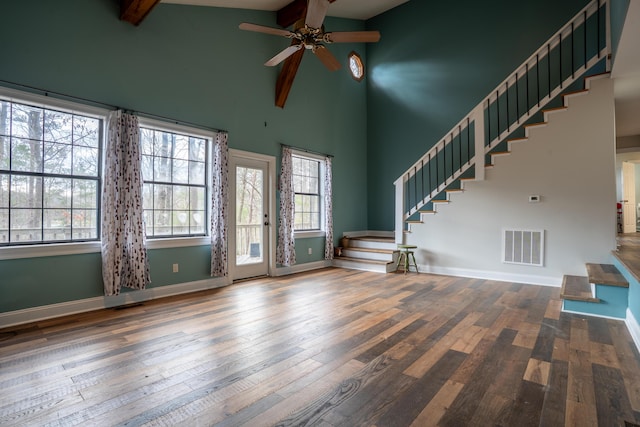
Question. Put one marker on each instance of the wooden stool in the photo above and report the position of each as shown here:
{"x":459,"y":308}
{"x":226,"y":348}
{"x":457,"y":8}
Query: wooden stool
{"x":406,"y":256}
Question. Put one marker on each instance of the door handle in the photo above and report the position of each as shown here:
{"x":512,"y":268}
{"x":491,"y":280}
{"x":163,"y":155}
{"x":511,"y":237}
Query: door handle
{"x":266,"y":223}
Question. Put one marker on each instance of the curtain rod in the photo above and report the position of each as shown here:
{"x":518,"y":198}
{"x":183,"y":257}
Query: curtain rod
{"x":307,"y":150}
{"x":45,"y":92}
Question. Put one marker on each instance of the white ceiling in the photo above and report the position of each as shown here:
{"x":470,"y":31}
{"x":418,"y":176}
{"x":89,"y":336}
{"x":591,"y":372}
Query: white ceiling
{"x":354,"y":9}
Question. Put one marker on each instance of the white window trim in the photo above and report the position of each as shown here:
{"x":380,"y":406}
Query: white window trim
{"x":55,"y":103}
{"x":308,"y":234}
{"x":37,"y":250}
{"x":181,"y":241}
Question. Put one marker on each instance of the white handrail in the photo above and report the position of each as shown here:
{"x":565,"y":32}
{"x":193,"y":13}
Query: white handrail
{"x":476,"y":115}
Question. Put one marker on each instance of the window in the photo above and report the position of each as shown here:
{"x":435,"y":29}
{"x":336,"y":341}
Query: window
{"x":49,"y":174}
{"x":306,"y":185}
{"x":174,"y":170}
{"x":356,"y":66}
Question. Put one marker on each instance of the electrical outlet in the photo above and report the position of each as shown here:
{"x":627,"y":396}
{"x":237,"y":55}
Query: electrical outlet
{"x":175,"y":268}
{"x":310,"y":251}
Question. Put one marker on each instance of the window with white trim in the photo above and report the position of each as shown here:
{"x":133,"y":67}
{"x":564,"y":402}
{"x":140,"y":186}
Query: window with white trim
{"x":50,"y":173}
{"x":306,"y":185}
{"x":174,"y":170}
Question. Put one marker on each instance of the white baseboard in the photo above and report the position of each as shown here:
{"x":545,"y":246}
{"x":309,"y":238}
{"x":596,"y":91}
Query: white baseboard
{"x":633,"y":327}
{"x":300,"y":268}
{"x":493,"y":275}
{"x":37,"y":314}
{"x":581,"y":313}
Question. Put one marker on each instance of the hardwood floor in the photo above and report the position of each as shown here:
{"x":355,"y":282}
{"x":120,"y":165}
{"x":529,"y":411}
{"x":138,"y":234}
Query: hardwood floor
{"x":327,"y":348}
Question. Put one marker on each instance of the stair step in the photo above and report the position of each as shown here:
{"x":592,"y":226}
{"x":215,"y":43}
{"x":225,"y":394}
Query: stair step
{"x":577,"y":288}
{"x":372,"y":242}
{"x":554,"y":109}
{"x":371,"y":250}
{"x":454,"y":190}
{"x":524,"y":138}
{"x":364,"y":261}
{"x":501,"y":153}
{"x":374,"y":238}
{"x":606,"y":274}
{"x":370,"y":254}
{"x":364,"y":264}
{"x":574,"y":93}
{"x":427,"y":212}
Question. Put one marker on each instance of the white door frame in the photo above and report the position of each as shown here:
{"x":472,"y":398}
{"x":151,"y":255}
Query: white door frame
{"x":629,"y":198}
{"x":270,"y":244}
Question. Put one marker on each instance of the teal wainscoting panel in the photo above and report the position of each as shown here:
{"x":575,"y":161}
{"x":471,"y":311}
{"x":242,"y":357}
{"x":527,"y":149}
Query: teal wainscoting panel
{"x":634,"y":288}
{"x":613,"y":303}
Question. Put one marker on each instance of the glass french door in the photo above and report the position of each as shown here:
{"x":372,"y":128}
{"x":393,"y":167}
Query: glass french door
{"x":249,"y":246}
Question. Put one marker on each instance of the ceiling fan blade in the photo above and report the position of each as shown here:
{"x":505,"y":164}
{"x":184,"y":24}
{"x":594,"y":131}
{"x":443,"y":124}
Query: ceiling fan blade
{"x":287,"y":52}
{"x":352,"y":37}
{"x":267,"y":30}
{"x":316,"y":11}
{"x":286,"y":76}
{"x":327,"y":58}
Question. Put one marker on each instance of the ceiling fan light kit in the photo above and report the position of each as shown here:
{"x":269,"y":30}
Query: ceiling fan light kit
{"x":310,"y":35}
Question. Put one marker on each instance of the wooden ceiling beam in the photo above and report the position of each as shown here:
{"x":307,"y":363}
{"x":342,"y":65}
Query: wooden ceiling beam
{"x":286,"y":76}
{"x":134,"y":11}
{"x":294,"y":11}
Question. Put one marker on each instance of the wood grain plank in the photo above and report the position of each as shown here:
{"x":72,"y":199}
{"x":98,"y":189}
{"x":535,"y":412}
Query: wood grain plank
{"x":537,"y":371}
{"x":301,"y":348}
{"x":409,"y":405}
{"x":437,"y":407}
{"x":612,"y":402}
{"x":553,"y":407}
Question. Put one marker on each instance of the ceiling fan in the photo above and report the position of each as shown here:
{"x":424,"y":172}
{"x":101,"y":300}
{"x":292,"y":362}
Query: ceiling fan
{"x":307,"y":34}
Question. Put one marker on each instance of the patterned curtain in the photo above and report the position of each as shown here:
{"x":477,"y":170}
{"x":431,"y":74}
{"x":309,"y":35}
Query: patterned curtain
{"x":286,"y":250}
{"x":220,"y":206}
{"x":328,"y":209}
{"x":124,"y":252}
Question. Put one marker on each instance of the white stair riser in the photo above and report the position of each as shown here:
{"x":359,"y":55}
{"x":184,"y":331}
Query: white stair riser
{"x":377,"y":268}
{"x":370,"y":244}
{"x":354,"y":253}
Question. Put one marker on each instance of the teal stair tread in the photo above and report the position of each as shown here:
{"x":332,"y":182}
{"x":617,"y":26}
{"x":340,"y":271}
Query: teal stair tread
{"x":577,"y":288}
{"x":606,"y":274}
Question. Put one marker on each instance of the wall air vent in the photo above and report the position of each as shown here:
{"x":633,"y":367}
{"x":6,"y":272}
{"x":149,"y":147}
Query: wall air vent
{"x":524,"y":247}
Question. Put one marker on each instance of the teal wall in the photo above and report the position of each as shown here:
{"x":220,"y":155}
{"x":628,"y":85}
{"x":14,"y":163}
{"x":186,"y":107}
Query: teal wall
{"x":191,"y":64}
{"x":434,"y":63}
{"x":619,"y":10}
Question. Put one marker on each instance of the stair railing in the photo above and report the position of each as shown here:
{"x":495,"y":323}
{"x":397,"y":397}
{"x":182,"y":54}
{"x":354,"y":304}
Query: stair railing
{"x":582,"y":43}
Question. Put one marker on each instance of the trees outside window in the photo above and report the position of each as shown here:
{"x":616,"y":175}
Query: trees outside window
{"x":306,"y":184}
{"x":175,"y":183}
{"x":49,"y":174}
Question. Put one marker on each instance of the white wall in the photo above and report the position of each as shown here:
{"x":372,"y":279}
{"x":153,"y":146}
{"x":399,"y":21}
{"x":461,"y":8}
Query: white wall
{"x":570,"y":163}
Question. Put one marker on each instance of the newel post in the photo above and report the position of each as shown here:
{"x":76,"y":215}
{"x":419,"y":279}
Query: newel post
{"x":478,"y":120}
{"x":399,"y":210}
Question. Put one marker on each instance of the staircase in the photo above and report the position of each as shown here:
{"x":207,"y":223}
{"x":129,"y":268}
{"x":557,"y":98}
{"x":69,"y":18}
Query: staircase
{"x":369,"y":253}
{"x":603,"y":292}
